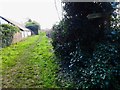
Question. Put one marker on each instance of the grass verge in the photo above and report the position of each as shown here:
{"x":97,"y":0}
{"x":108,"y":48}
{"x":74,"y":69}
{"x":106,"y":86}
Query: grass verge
{"x":29,"y":64}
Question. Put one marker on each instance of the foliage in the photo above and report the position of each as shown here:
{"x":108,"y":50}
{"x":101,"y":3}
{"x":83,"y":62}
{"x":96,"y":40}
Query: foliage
{"x":115,"y":22}
{"x":31,"y":62}
{"x":88,"y":50}
{"x":32,"y":25}
{"x":89,"y":31}
{"x":7,"y":32}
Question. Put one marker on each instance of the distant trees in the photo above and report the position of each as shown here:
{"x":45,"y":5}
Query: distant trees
{"x":87,"y":46}
{"x":33,"y":26}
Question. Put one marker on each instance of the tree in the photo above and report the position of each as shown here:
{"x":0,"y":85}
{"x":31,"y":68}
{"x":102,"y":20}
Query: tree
{"x":84,"y":44}
{"x":33,"y":26}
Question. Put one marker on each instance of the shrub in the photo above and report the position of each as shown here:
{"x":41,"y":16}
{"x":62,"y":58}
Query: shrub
{"x":88,"y":55}
{"x":7,"y":32}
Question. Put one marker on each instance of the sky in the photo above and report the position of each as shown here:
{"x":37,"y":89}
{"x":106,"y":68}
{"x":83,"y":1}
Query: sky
{"x":42,"y":11}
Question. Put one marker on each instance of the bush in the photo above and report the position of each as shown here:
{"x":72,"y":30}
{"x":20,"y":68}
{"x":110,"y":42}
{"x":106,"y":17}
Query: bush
{"x":7,"y":32}
{"x":88,"y":50}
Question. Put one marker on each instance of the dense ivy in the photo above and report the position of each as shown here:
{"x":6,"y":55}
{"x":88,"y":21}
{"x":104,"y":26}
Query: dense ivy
{"x":7,"y":31}
{"x":88,"y":49}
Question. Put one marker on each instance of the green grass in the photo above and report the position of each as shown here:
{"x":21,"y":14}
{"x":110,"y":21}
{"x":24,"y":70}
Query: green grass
{"x":10,"y":54}
{"x":29,"y":64}
{"x":44,"y":58}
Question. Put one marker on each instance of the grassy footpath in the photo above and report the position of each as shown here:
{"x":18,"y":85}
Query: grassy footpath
{"x":10,"y":54}
{"x":29,"y":64}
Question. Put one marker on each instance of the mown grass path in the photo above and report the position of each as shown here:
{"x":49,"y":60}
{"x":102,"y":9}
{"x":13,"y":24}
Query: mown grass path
{"x":34,"y":67}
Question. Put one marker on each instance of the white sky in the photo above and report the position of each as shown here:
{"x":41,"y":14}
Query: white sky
{"x":42,"y":11}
